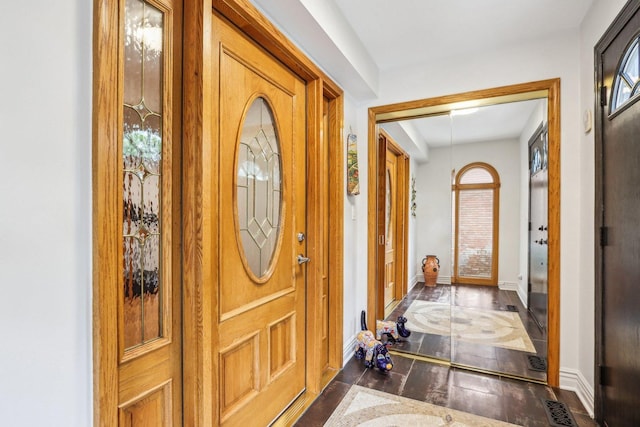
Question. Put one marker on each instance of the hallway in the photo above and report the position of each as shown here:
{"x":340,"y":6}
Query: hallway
{"x":498,"y":398}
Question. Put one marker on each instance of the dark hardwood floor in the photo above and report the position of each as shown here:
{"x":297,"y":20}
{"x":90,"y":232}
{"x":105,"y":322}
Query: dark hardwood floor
{"x":497,"y":396}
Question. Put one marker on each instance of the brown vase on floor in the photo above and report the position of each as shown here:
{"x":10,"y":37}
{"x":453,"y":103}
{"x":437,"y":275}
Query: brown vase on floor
{"x":430,"y":269}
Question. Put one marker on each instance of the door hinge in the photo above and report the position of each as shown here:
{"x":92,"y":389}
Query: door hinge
{"x":381,"y":240}
{"x":604,"y":236}
{"x":529,"y":287}
{"x":529,"y":225}
{"x":604,"y":375}
{"x":603,"y":96}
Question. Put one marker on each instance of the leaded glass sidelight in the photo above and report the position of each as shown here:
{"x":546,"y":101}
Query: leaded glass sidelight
{"x":142,"y":169}
{"x":259,"y":189}
{"x":627,"y":79}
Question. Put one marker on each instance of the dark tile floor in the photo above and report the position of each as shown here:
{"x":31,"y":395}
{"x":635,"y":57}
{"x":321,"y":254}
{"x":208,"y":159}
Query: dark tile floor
{"x":494,"y":396}
{"x":514,"y":401}
{"x":484,"y":357}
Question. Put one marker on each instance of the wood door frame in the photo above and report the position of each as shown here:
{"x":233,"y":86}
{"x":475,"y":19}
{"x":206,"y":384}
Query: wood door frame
{"x":402,"y":221}
{"x":627,"y":12}
{"x":201,"y":392}
{"x":393,"y":112}
{"x":199,"y":248}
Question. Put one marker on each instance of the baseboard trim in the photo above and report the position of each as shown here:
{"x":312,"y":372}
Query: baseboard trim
{"x":444,"y":280}
{"x":348,"y":350}
{"x":508,"y":286}
{"x":414,"y":281}
{"x":573,"y":380}
{"x":523,"y":297}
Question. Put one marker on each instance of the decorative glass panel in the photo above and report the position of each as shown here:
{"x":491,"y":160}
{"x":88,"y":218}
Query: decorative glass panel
{"x":476,"y":176}
{"x":142,"y":185}
{"x":627,"y":78}
{"x":259,"y":188}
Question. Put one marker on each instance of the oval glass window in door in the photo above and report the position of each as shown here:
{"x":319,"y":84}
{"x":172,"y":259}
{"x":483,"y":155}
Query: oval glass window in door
{"x":259,"y":190}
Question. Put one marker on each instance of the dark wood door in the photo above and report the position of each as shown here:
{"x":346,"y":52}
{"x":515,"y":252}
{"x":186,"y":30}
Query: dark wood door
{"x":617,"y":205}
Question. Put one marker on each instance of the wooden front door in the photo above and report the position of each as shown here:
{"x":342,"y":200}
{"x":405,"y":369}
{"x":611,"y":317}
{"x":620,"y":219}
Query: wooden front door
{"x":259,"y":340}
{"x":617,"y":205}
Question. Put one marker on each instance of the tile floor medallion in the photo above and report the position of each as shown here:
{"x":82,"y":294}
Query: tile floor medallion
{"x":489,"y":327}
{"x":368,"y":407}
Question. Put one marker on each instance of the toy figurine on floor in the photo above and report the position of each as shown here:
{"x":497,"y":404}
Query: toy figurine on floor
{"x":373,"y":352}
{"x":392,"y":330}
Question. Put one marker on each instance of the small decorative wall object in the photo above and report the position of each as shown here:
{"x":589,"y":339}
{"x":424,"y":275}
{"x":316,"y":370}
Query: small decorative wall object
{"x":353,"y":182}
{"x":413,"y":197}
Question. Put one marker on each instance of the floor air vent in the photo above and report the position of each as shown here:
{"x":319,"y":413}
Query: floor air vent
{"x":537,"y":363}
{"x":558,"y":414}
{"x":512,"y":308}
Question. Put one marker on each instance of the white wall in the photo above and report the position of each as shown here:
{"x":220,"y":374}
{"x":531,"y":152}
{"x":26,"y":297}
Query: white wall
{"x":355,"y":232}
{"x":414,"y":270}
{"x":433,"y":212}
{"x":45,"y":232}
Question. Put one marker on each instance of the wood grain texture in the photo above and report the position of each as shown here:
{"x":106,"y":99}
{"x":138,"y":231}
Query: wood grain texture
{"x":200,"y":395}
{"x":553,"y":345}
{"x":417,"y":108}
{"x":105,"y":208}
{"x":335,"y":217}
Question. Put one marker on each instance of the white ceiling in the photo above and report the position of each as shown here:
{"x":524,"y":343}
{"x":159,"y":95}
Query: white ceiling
{"x":355,"y":41}
{"x":499,"y":122}
{"x":410,"y":32}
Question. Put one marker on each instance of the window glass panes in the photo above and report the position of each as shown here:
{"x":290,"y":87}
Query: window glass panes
{"x":627,"y":77}
{"x":142,"y":168}
{"x":259,"y":188}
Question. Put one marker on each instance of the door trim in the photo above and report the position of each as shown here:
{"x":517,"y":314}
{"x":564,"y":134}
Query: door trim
{"x":201,"y":392}
{"x":104,"y":211}
{"x":550,"y":88}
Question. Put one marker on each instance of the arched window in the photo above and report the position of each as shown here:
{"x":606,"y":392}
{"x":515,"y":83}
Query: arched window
{"x":627,"y":78}
{"x":476,"y":191}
